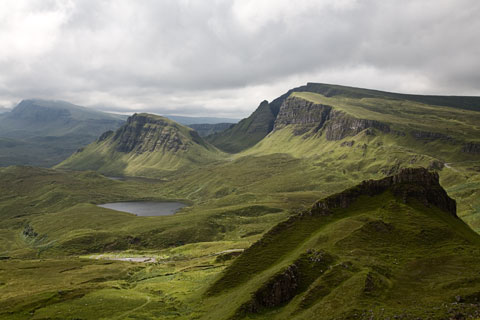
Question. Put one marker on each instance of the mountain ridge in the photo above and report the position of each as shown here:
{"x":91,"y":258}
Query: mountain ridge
{"x":225,"y":141}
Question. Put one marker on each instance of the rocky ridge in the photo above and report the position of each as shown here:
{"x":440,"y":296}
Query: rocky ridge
{"x":415,"y":183}
{"x":409,"y":183}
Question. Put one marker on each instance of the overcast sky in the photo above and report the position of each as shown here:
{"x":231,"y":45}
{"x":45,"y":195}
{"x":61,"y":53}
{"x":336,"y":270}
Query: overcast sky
{"x":222,"y":57}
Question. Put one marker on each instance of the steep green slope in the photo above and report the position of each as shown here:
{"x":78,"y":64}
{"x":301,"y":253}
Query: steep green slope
{"x":43,"y":132}
{"x":392,"y":248}
{"x":247,"y":132}
{"x":147,"y":145}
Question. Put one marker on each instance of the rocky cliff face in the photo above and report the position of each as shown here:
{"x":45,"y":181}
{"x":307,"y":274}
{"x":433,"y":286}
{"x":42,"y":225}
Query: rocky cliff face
{"x":342,"y":125}
{"x":417,"y":183}
{"x":280,"y":289}
{"x":143,"y":133}
{"x":471,"y":147}
{"x":305,"y":116}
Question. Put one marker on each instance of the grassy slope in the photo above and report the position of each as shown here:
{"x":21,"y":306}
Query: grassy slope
{"x":331,"y":90}
{"x":58,"y":206}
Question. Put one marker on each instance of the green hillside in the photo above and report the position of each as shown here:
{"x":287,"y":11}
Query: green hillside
{"x":392,"y":248}
{"x":147,"y":145}
{"x":45,"y":132}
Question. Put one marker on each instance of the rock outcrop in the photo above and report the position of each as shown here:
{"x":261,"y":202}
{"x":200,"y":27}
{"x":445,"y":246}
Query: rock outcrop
{"x":280,"y":289}
{"x":144,"y":133}
{"x":302,"y":113}
{"x":431,"y":136}
{"x":342,"y":125}
{"x":305,"y":116}
{"x":418,"y":183}
{"x":471,"y":147}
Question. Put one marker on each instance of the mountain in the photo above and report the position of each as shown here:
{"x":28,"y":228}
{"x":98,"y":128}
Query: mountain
{"x":44,"y":132}
{"x":392,"y":248}
{"x":205,"y":129}
{"x":145,"y":145}
{"x":187,"y":121}
{"x":251,"y":130}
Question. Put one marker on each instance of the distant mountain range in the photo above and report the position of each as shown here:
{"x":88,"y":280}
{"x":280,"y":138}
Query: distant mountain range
{"x":44,"y":132}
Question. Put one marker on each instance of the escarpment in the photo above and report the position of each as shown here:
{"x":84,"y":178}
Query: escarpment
{"x":302,"y":113}
{"x":416,"y":183}
{"x":143,"y":133}
{"x":305,"y":115}
{"x":471,"y":147}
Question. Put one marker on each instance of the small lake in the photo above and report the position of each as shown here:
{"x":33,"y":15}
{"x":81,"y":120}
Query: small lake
{"x":145,"y":208}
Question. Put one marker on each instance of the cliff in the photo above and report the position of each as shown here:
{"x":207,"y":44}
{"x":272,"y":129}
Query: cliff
{"x":307,"y":116}
{"x":409,"y":183}
{"x":146,"y":133}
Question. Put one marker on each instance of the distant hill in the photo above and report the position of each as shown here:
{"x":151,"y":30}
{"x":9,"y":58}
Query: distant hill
{"x":251,"y":130}
{"x":44,"y":132}
{"x":387,"y":249}
{"x":205,"y":129}
{"x":146,"y":145}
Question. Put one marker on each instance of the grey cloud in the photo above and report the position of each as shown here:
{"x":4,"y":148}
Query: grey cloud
{"x":222,"y":57}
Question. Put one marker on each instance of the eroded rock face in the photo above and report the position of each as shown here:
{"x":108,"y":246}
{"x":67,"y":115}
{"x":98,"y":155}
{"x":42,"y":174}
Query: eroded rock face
{"x":418,"y":183}
{"x":146,"y":134}
{"x":302,"y":113}
{"x":342,"y":125}
{"x":431,"y":136}
{"x":306,"y":115}
{"x":471,"y":147}
{"x":280,"y":289}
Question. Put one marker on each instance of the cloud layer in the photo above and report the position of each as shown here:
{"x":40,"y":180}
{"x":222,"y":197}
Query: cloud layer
{"x":222,"y":57}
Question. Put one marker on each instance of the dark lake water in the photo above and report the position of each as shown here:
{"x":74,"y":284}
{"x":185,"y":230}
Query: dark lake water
{"x":145,"y":208}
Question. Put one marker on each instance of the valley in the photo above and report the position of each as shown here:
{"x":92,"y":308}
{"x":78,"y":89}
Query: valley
{"x":278,"y":223}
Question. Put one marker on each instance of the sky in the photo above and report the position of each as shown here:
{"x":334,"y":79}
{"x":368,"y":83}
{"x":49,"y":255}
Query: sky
{"x":223,"y":57}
